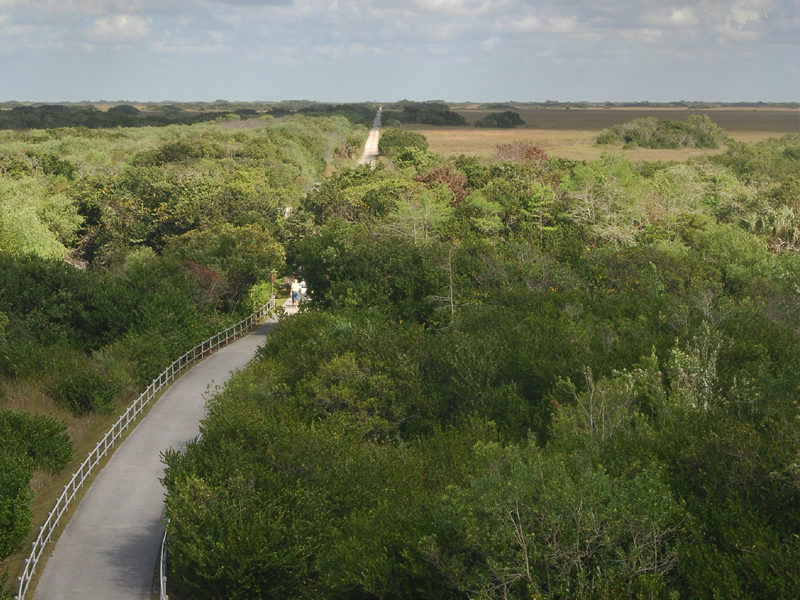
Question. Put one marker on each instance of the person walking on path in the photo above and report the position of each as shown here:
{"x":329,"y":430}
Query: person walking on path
{"x":295,"y":292}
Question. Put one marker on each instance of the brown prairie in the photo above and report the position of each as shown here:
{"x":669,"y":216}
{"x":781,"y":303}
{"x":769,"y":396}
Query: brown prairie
{"x":571,"y":133}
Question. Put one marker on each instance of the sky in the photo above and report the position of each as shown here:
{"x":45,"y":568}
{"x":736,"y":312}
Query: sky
{"x":386,"y":50}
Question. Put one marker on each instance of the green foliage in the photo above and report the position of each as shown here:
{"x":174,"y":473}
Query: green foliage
{"x":41,"y":438}
{"x":697,"y":131}
{"x":182,"y":150}
{"x":27,"y":442}
{"x":50,"y":116}
{"x":83,"y":391}
{"x":362,"y":114}
{"x":169,"y":232}
{"x":526,"y":378}
{"x":16,"y":499}
{"x":357,"y":194}
{"x":537,"y":525}
{"x":504,"y":120}
{"x":228,"y":259}
{"x":429,"y":113}
{"x":518,"y":377}
{"x":394,"y":141}
{"x":33,"y":223}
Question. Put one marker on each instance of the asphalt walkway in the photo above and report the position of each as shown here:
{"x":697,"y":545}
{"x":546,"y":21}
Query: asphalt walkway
{"x":110,"y":548}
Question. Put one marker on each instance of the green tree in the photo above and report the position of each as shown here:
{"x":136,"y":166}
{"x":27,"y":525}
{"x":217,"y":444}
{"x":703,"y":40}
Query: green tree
{"x":240,"y":256}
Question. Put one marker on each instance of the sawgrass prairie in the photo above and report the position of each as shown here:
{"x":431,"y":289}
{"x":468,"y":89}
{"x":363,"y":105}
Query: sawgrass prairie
{"x":571,"y":133}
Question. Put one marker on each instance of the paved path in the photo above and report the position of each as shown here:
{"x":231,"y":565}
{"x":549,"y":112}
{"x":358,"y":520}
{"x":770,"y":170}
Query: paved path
{"x":370,"y":154}
{"x":110,"y":547}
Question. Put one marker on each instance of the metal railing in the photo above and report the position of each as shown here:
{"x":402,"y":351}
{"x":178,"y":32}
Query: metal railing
{"x":123,"y":423}
{"x":162,"y":565}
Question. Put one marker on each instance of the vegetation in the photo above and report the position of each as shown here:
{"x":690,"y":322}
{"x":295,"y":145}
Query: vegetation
{"x":497,"y":105}
{"x":517,"y":378}
{"x":429,"y":113}
{"x":58,"y":115}
{"x":697,"y":131}
{"x":504,"y":120}
{"x":358,"y":114}
{"x":524,"y":377}
{"x":393,"y":141}
{"x":27,"y":442}
{"x":119,"y":250}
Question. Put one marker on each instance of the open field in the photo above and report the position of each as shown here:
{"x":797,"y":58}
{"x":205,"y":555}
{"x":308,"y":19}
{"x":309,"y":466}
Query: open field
{"x":571,"y":133}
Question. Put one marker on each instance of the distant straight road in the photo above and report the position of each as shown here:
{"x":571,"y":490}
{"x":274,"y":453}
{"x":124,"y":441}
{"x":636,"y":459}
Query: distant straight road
{"x":110,"y":548}
{"x":370,"y":154}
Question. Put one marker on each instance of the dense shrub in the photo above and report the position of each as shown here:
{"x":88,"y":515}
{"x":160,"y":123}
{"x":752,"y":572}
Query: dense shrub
{"x":83,"y":391}
{"x":578,"y":381}
{"x":27,"y":442}
{"x":394,"y":140}
{"x":504,"y":120}
{"x":16,"y":499}
{"x":429,"y":113}
{"x":124,"y":109}
{"x":649,"y":132}
{"x":40,"y":438}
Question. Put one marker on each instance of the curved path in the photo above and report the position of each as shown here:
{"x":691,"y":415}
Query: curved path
{"x":370,"y":155}
{"x":110,"y":547}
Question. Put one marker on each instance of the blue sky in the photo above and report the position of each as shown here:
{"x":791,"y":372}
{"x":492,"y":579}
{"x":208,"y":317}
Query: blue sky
{"x":355,"y":50}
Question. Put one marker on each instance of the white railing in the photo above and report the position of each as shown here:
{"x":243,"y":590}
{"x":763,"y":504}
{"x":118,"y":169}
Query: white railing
{"x":123,"y":423}
{"x":162,"y":565}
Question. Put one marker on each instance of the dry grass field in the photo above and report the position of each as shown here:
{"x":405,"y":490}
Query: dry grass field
{"x":571,"y":133}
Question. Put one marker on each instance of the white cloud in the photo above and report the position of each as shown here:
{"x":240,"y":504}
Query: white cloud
{"x":734,"y":31}
{"x":17,"y":30}
{"x":183,"y":47}
{"x":526,"y":24}
{"x":456,"y":7}
{"x":230,"y":19}
{"x":443,"y":31}
{"x":490,"y":43}
{"x":646,"y":36}
{"x":679,"y":17}
{"x":119,"y":28}
{"x":546,"y":25}
{"x":85,"y":7}
{"x":341,"y":50}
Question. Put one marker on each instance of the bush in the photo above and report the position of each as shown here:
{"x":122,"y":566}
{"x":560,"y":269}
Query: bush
{"x":394,"y":140}
{"x":505,"y":120}
{"x":83,"y":391}
{"x":698,"y":131}
{"x":42,"y":439}
{"x":15,"y":499}
{"x":520,"y":152}
{"x":124,"y":109}
{"x":429,"y":113}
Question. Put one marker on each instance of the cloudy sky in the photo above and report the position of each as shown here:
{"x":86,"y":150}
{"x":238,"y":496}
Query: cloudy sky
{"x":351,"y":50}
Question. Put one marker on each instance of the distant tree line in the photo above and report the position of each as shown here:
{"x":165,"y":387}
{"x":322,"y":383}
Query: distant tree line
{"x":90,"y":117}
{"x":428,"y":113}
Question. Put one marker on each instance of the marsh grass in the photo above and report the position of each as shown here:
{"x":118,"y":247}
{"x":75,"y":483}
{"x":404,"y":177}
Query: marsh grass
{"x":572,"y":134}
